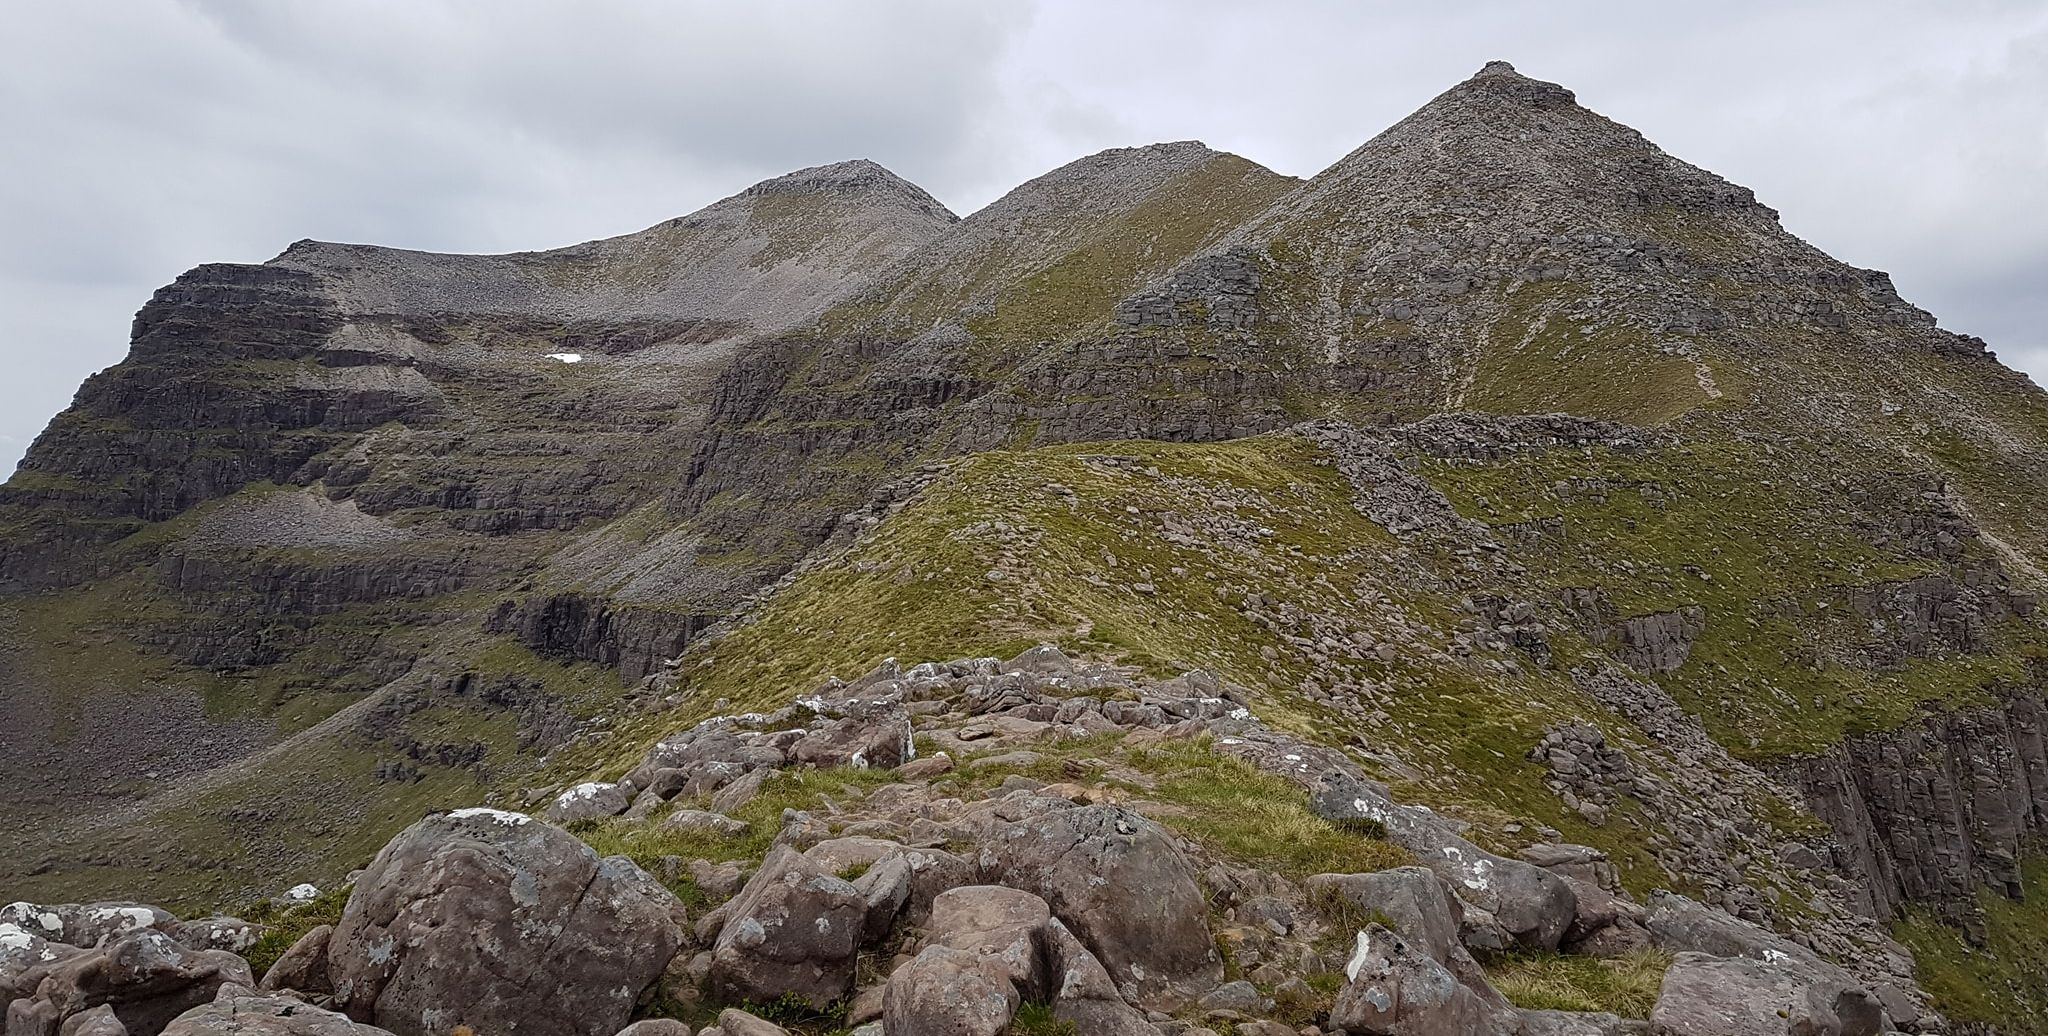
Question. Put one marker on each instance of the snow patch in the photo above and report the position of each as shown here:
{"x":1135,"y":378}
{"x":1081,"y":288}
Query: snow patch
{"x":566,"y":357}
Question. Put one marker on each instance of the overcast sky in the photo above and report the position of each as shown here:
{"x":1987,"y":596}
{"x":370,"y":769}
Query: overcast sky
{"x":146,"y":136}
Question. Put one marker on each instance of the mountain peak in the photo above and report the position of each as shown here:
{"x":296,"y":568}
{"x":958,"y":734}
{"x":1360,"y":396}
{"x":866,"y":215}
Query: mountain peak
{"x":855,"y":176}
{"x":1499,"y":79}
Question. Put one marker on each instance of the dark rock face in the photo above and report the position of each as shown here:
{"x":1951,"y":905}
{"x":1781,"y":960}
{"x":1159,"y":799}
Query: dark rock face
{"x":1931,"y":811}
{"x":495,"y":920}
{"x":575,"y":627}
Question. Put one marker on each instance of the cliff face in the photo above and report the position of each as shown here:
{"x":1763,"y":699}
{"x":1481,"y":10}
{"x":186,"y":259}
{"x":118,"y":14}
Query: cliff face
{"x":1932,"y":811}
{"x":1508,"y":415}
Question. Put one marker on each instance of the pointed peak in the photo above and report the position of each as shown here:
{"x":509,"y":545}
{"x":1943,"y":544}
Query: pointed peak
{"x":856,"y":175}
{"x":1499,"y":79}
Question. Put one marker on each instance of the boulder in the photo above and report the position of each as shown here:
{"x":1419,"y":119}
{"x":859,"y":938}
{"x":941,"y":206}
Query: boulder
{"x":25,"y":957}
{"x":950,"y":992}
{"x":1576,"y":1023}
{"x":743,"y":789}
{"x":85,"y":925}
{"x":589,"y":799}
{"x":1411,"y":899}
{"x":302,"y":967}
{"x":1603,"y":924}
{"x":240,"y":1012}
{"x":1393,"y":989}
{"x":739,"y":1023}
{"x":996,"y":924}
{"x":793,"y":930}
{"x":144,"y":976}
{"x":494,"y":920}
{"x":880,"y":741}
{"x":686,"y":820}
{"x":100,"y":1021}
{"x":1532,"y":905}
{"x":1119,"y":883}
{"x":1413,"y":902}
{"x":992,"y":948}
{"x":1685,"y":926}
{"x":217,"y":933}
{"x":1739,"y":996}
{"x":656,"y":1027}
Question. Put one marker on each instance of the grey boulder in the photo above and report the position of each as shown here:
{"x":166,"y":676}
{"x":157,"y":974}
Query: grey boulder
{"x":1121,"y":885}
{"x":302,"y":967}
{"x":497,"y":921}
{"x":25,"y":957}
{"x":144,"y":977}
{"x":1741,"y":996}
{"x":589,"y":799}
{"x":240,"y":1012}
{"x":1394,"y":989}
{"x":1530,"y":904}
{"x":881,"y":741}
{"x":794,"y":930}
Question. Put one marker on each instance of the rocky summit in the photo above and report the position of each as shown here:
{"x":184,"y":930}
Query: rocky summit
{"x":1504,"y":584}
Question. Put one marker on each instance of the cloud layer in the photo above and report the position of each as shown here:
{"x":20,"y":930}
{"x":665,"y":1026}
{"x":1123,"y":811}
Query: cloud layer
{"x":150,"y":136}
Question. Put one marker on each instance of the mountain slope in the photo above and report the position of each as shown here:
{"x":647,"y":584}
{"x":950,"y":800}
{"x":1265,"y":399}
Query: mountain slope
{"x":1536,"y":472}
{"x":307,"y":471}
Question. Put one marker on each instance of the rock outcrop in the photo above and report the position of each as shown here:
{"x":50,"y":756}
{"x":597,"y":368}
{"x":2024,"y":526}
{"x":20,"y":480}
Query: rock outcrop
{"x":1935,"y":810}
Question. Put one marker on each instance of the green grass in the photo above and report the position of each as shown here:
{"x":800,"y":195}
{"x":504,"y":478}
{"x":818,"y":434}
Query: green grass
{"x":1537,"y":360}
{"x":1255,"y":818}
{"x":1998,"y":983}
{"x":919,"y":589}
{"x":1626,"y":985}
{"x":1037,"y":1019}
{"x":646,"y":842}
{"x":285,"y":926}
{"x":1767,"y":557}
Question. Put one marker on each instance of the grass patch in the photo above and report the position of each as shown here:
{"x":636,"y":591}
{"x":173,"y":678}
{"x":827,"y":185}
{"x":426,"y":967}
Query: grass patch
{"x":283,"y":926}
{"x":1998,"y":984}
{"x":1250,"y":816}
{"x":1548,"y":981}
{"x":1037,"y":1019}
{"x":647,"y":842}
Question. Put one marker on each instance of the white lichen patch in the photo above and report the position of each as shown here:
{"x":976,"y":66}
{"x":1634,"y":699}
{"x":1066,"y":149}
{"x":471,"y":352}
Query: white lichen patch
{"x":501,"y":816}
{"x":1360,"y":953}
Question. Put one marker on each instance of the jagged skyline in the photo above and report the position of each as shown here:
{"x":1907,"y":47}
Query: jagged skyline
{"x":967,"y":104}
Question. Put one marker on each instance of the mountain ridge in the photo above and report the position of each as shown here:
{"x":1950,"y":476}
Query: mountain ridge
{"x":1506,"y":414}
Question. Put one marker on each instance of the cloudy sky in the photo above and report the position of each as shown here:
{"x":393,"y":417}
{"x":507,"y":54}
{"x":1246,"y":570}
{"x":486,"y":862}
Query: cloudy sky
{"x":151,"y":135}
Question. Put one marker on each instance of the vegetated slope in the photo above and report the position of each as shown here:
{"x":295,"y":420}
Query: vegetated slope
{"x":314,"y":480}
{"x":1780,"y":551}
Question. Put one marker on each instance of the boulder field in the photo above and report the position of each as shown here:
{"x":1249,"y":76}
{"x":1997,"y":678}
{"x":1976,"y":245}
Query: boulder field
{"x":1017,"y":866}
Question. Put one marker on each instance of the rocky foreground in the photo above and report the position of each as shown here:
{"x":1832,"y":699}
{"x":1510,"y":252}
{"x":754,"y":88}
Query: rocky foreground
{"x":987,"y":847}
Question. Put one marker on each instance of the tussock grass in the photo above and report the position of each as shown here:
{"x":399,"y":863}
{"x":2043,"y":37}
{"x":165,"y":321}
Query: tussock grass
{"x":284,"y":926}
{"x":1253,"y":817}
{"x":1626,"y":985}
{"x":645,"y":842}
